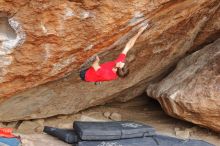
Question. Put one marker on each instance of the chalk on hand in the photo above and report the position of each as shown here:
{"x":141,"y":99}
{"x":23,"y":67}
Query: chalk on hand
{"x":138,"y":17}
{"x":144,"y":24}
{"x":138,"y":14}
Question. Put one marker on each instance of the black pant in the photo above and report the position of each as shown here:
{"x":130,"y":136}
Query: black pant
{"x":82,"y":74}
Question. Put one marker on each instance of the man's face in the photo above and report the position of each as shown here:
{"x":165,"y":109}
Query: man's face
{"x":120,"y":64}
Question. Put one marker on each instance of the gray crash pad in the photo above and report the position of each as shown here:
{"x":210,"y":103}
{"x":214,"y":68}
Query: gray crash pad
{"x":112,"y":130}
{"x":156,"y":140}
{"x":66,"y":135}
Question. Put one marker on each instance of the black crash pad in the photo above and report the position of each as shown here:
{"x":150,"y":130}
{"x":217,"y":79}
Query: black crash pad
{"x":156,"y":140}
{"x":66,"y":135}
{"x":112,"y":130}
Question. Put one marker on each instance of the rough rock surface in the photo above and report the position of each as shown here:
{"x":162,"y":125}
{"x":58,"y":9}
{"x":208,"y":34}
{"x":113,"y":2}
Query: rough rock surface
{"x":210,"y":33}
{"x":192,"y":91}
{"x":60,"y":35}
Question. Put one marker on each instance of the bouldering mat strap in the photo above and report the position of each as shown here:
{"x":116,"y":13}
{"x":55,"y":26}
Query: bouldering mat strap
{"x":156,"y":141}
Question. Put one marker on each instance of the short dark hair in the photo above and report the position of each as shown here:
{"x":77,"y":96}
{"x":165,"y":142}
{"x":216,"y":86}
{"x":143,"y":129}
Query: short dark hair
{"x":123,"y":72}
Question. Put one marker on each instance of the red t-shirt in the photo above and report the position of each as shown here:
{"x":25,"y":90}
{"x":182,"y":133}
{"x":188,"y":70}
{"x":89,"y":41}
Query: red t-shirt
{"x":105,"y":72}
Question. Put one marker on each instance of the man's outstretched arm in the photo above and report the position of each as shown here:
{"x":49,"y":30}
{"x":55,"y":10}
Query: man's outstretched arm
{"x":132,"y":41}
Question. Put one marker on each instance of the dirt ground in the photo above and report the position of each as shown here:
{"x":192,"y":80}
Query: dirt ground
{"x":141,"y":109}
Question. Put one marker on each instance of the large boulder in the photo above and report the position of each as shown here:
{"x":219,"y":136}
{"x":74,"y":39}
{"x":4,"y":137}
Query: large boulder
{"x":47,"y":40}
{"x":209,"y":34}
{"x":192,"y":91}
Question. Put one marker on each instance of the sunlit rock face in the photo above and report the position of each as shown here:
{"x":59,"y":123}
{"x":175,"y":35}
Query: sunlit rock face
{"x":192,"y":91}
{"x":56,"y":37}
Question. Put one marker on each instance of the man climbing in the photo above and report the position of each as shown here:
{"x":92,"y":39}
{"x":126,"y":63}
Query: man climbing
{"x":110,"y":70}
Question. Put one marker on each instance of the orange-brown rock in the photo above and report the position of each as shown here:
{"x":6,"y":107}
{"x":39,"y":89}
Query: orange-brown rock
{"x":192,"y":91}
{"x":54,"y":38}
{"x":210,"y":33}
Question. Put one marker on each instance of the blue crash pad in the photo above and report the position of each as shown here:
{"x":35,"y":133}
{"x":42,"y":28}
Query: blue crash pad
{"x":9,"y":141}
